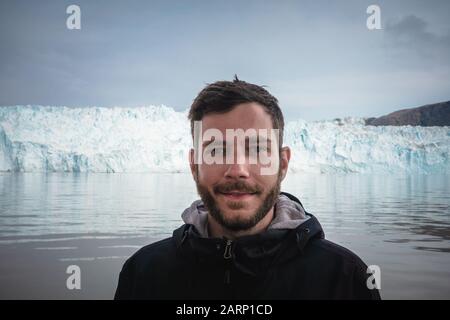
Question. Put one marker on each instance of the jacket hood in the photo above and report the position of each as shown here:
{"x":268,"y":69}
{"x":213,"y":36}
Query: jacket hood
{"x":285,"y":238}
{"x":288,"y":214}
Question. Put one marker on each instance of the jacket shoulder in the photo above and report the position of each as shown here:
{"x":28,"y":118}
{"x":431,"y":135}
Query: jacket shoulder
{"x":154,"y":252}
{"x":145,"y":267}
{"x":347,"y":264}
{"x":338,"y":252}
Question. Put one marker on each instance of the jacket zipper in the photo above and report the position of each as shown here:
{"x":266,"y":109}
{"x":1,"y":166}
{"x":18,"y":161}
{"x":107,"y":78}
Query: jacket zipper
{"x":227,"y":255}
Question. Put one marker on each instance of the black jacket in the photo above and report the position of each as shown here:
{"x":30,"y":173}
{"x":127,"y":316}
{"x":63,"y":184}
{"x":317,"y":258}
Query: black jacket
{"x":276,"y":264}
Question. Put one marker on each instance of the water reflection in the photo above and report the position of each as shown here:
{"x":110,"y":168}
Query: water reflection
{"x":401,"y":223}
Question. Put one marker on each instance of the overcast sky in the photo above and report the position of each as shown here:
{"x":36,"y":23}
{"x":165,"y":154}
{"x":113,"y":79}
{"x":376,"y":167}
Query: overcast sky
{"x":317,"y":57}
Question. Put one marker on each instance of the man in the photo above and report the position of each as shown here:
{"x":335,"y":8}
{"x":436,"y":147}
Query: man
{"x":243,"y":239}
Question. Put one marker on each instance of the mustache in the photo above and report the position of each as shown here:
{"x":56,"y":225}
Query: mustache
{"x":238,"y":186}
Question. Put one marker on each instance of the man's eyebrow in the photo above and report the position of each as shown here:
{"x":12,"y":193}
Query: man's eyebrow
{"x":247,"y":140}
{"x":219,"y":142}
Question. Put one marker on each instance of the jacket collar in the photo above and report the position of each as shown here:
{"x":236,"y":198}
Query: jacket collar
{"x":251,"y":254}
{"x":288,"y":214}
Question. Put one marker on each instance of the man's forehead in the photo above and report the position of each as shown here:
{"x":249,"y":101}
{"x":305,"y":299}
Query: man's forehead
{"x":243,"y":116}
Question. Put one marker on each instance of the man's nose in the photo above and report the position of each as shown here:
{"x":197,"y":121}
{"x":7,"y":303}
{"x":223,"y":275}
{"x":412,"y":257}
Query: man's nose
{"x":237,"y":171}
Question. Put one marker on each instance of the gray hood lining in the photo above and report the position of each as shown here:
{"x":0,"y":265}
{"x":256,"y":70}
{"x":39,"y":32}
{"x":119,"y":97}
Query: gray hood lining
{"x":289,"y":214}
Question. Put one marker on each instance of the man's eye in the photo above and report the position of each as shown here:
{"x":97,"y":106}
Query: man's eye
{"x":258,"y":149}
{"x":262,"y":149}
{"x":218,"y":151}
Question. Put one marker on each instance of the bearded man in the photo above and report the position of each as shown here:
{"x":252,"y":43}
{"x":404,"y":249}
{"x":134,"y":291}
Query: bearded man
{"x":244,"y":239}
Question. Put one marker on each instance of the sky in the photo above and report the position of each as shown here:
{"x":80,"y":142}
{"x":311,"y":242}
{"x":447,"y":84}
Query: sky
{"x":317,"y":57}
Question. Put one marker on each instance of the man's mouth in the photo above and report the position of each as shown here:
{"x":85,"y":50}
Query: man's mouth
{"x":236,"y":195}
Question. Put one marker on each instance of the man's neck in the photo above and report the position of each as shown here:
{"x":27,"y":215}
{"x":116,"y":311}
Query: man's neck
{"x":215,"y":230}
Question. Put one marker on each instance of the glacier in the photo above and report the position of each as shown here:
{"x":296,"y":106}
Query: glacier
{"x":157,"y":139}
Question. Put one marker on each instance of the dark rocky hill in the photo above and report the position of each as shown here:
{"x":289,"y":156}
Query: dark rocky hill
{"x":436,"y":114}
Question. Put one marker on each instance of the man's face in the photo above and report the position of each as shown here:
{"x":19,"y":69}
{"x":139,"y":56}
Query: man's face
{"x":236,"y":194}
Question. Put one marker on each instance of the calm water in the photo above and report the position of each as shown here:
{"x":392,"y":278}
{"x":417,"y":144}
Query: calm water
{"x":95,"y":221}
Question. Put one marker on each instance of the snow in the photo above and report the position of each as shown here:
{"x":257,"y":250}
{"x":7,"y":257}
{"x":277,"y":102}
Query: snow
{"x":157,"y":139}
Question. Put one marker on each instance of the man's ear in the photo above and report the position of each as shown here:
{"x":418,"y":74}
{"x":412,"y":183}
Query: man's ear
{"x":285,"y":156}
{"x":192,"y":164}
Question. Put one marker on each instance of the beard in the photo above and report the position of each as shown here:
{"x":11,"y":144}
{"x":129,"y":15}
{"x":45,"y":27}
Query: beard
{"x":239,"y":223}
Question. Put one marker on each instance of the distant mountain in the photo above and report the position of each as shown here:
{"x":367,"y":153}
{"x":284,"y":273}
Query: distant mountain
{"x":436,"y":114}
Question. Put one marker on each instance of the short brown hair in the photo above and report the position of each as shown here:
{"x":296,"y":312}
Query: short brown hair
{"x":223,"y":96}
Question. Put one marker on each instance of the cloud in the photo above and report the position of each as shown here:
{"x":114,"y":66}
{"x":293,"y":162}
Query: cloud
{"x":411,"y":33}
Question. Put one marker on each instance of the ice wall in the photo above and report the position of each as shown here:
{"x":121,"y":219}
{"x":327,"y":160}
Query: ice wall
{"x":157,"y":139}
